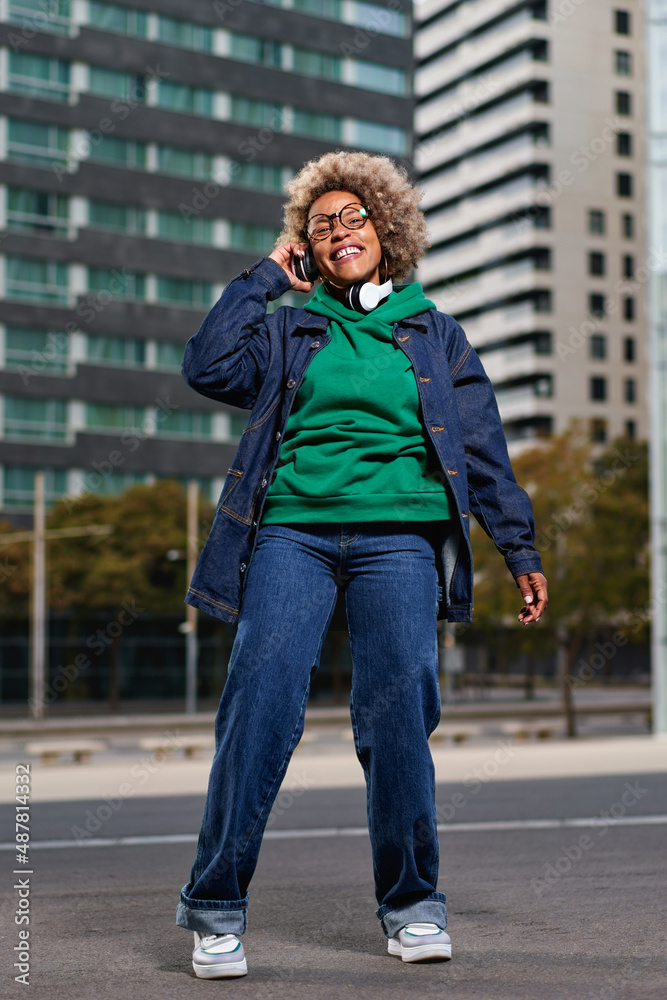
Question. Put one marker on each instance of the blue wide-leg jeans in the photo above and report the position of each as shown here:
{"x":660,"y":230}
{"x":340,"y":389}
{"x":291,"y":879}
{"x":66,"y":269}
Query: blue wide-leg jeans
{"x":388,"y":572}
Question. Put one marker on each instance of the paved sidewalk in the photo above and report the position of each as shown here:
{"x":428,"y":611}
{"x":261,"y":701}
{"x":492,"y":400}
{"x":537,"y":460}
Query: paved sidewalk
{"x":334,"y":765}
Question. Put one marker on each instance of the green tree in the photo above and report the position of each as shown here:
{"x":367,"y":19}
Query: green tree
{"x":592,"y":531}
{"x":89,"y":575}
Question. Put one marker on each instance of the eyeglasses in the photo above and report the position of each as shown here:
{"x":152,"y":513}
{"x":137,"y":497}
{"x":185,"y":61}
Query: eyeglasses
{"x":352,"y":216}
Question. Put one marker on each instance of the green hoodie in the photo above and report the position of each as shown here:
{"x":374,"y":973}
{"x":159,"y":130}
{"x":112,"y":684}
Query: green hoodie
{"x":354,"y":448}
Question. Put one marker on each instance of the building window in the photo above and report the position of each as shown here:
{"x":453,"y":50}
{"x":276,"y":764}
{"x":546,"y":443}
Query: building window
{"x":252,"y":112}
{"x":629,"y":308}
{"x":36,"y":351}
{"x":181,"y":97}
{"x":112,"y":417}
{"x":185,"y":34}
{"x":623,"y":62}
{"x":263,"y":176}
{"x":237,"y":425}
{"x":629,"y":349}
{"x":39,"y":76}
{"x":173,"y":226}
{"x":541,"y":216}
{"x":113,"y":17}
{"x":624,"y":185}
{"x":596,"y":222}
{"x":623,"y":102}
{"x":264,"y":51}
{"x":117,"y":351}
{"x":379,"y":138}
{"x":542,"y":342}
{"x":596,"y":304}
{"x":247,"y":236}
{"x":365,"y":15}
{"x":622,"y":22}
{"x":598,"y":346}
{"x":186,"y":423}
{"x":381,"y":79}
{"x":319,"y":126}
{"x":31,"y":142}
{"x":542,"y":301}
{"x":184,"y":292}
{"x":630,"y":390}
{"x":628,"y":266}
{"x":598,"y":388}
{"x":36,"y":280}
{"x":112,"y":83}
{"x":109,"y":215}
{"x":598,"y":431}
{"x":117,"y":284}
{"x":53,"y":16}
{"x":630,"y":429}
{"x":118,"y":152}
{"x":369,"y":16}
{"x":26,"y":417}
{"x":623,"y":144}
{"x":184,"y":162}
{"x":40,"y":212}
{"x":628,"y":225}
{"x":169,"y":355}
{"x":596,"y":263}
{"x":18,"y":485}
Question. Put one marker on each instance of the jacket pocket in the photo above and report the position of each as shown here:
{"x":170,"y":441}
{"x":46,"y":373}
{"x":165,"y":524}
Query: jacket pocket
{"x":231,"y":482}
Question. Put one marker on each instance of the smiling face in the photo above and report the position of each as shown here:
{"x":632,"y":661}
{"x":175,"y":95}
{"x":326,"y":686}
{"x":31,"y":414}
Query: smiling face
{"x":348,"y":255}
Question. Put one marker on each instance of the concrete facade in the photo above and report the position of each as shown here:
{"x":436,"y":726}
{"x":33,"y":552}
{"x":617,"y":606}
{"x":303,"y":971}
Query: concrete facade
{"x":520,"y":134}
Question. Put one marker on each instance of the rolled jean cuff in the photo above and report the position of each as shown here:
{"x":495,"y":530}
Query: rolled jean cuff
{"x":430,"y":910}
{"x":212,"y":916}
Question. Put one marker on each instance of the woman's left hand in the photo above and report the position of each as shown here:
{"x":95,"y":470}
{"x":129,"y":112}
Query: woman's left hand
{"x":533,"y":587}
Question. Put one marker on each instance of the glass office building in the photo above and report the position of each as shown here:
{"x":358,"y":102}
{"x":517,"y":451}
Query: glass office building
{"x":143,"y":158}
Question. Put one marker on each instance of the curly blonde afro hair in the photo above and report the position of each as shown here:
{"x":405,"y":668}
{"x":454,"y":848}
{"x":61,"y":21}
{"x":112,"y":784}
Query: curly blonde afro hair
{"x":379,"y":184}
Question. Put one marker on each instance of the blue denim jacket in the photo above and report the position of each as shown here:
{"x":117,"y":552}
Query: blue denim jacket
{"x":255,"y":361}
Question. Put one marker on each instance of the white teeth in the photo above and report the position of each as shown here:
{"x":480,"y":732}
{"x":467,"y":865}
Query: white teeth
{"x":346,"y":252}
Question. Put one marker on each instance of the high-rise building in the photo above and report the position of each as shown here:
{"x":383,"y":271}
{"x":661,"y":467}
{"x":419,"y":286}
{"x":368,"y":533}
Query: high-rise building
{"x":144,"y":150}
{"x":529,"y":145}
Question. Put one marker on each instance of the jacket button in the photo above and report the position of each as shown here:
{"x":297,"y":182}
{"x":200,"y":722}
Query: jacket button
{"x":291,"y":383}
{"x":434,"y":428}
{"x":263,"y":483}
{"x":242,"y":567}
{"x":278,"y":435}
{"x":423,"y":378}
{"x":315,"y":343}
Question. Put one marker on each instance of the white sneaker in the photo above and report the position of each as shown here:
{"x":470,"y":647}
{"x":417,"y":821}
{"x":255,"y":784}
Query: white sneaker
{"x":218,"y":955}
{"x":418,"y":942}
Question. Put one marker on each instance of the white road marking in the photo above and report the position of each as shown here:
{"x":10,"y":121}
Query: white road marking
{"x":350,"y":831}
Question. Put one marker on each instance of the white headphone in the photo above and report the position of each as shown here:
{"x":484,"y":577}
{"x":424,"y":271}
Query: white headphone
{"x":366,"y":296}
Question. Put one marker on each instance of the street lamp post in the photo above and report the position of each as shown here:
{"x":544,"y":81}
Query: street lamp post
{"x":191,"y":644}
{"x":656,"y":38}
{"x":38,"y":617}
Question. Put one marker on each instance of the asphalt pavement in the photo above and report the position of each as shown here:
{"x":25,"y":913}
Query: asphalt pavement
{"x":552,"y":858}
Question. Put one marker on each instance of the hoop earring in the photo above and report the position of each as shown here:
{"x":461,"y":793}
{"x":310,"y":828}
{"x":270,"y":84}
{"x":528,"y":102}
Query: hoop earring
{"x":386,"y":269}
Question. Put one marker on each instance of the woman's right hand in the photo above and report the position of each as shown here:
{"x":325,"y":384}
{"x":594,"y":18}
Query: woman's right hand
{"x":284,"y":256}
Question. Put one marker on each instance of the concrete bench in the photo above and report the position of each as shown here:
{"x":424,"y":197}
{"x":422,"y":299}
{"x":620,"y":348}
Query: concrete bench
{"x":191,"y":745}
{"x":456,"y":732}
{"x":524,"y":730}
{"x":51,"y":751}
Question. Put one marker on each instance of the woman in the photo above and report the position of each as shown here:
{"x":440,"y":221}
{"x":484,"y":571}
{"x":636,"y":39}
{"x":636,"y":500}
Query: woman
{"x":374,"y":432}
